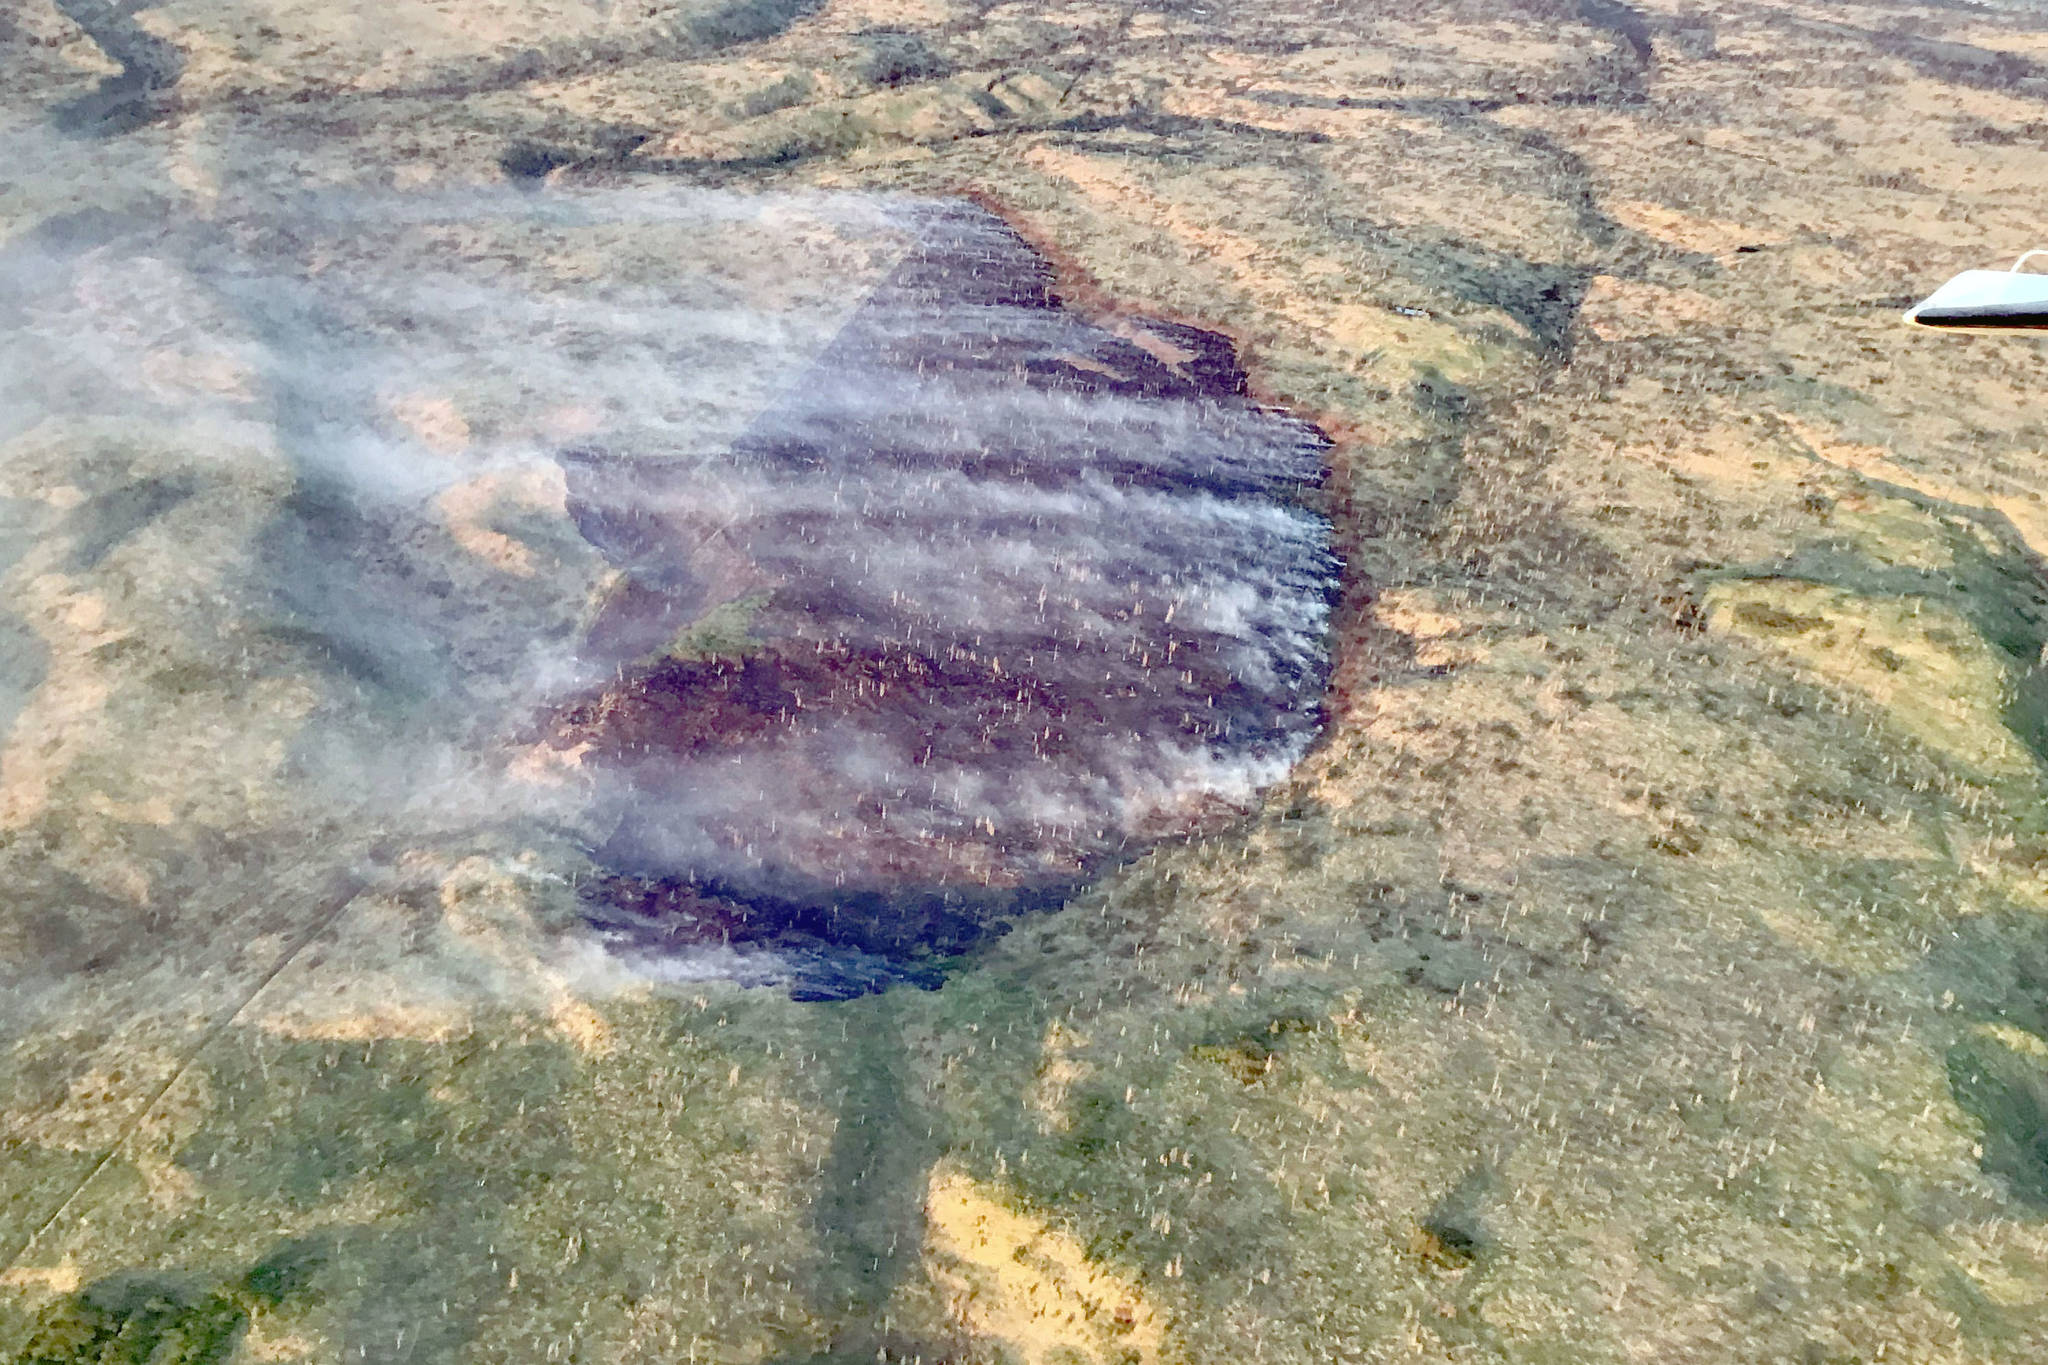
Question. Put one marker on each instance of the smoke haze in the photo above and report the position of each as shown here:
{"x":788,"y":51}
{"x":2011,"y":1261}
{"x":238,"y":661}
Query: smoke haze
{"x":802,"y":560}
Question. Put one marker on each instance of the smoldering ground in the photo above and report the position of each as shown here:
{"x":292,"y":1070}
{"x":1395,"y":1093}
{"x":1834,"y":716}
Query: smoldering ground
{"x":801,"y":560}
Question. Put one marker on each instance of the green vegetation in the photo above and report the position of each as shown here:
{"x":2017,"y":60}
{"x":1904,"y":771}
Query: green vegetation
{"x":147,"y":1318}
{"x":1650,"y":964}
{"x":722,"y":632}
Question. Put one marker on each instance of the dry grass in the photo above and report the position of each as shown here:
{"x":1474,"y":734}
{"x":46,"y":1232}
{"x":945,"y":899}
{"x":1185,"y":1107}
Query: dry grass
{"x":1649,"y":966}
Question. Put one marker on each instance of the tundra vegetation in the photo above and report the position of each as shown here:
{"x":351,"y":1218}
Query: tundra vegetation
{"x":1649,"y":961}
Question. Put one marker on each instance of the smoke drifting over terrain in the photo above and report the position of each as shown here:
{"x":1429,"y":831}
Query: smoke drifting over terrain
{"x":833,"y":587}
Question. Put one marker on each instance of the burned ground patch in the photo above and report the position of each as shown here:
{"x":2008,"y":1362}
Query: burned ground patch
{"x":802,"y":560}
{"x":1019,"y":594}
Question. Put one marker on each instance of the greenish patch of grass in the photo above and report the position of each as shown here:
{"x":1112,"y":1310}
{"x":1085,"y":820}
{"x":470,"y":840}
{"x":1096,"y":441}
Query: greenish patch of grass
{"x":786,"y":93}
{"x":286,"y":1272}
{"x":747,"y":21}
{"x":152,"y":1318}
{"x":165,"y":1319}
{"x":348,"y":1116}
{"x":2008,"y":1094}
{"x":723,"y":632}
{"x":34,"y":1180}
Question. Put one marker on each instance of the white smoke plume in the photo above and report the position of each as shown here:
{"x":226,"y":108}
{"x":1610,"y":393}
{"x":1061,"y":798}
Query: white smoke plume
{"x":837,"y":590}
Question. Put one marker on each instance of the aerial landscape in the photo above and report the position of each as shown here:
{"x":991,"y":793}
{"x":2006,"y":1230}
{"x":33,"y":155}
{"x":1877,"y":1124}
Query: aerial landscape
{"x":788,"y":682}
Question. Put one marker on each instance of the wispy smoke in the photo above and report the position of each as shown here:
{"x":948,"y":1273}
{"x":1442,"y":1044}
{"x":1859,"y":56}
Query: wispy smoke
{"x":840,"y":591}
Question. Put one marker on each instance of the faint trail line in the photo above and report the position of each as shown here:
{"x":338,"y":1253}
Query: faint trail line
{"x":1094,"y":59}
{"x":344,"y":887}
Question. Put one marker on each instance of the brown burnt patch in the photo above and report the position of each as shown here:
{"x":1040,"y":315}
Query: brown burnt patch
{"x":1354,"y":661}
{"x":1020,"y":594}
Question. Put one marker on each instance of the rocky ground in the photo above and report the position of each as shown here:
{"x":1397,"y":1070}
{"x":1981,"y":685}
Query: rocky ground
{"x":1649,"y":964}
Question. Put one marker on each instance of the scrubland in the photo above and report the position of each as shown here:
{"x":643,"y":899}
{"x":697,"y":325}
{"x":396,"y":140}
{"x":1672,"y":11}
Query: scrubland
{"x":1650,"y":962}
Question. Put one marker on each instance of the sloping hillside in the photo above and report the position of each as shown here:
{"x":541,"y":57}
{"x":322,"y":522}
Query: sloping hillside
{"x":1649,"y":961}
